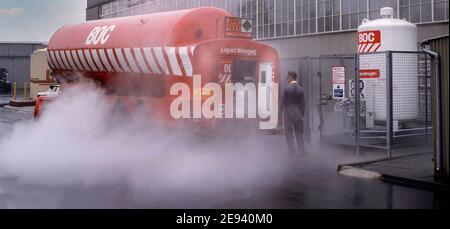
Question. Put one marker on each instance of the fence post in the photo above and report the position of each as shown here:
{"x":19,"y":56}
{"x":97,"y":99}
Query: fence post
{"x":437,"y":114}
{"x":357,"y":104}
{"x":389,"y":104}
{"x":319,"y":75}
{"x":426,"y":96}
{"x":25,"y":91}
{"x":15,"y":91}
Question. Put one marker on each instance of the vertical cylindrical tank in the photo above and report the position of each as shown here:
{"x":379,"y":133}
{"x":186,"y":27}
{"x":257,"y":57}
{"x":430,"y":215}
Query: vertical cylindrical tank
{"x":389,"y":34}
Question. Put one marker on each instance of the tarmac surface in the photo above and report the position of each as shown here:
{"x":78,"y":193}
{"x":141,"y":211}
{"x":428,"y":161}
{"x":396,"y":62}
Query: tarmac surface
{"x":308,"y":182}
{"x":414,"y":170}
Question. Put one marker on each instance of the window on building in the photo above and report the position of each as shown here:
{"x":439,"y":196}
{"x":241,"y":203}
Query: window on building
{"x":325,"y":14}
{"x":291,"y":17}
{"x":234,"y":7}
{"x":416,"y":11}
{"x":336,"y":15}
{"x":298,"y":17}
{"x":312,"y":16}
{"x":303,"y":16}
{"x":404,"y":9}
{"x":249,"y":11}
{"x":441,"y":10}
{"x":425,"y":11}
{"x":266,"y":19}
{"x":376,"y":5}
{"x":362,"y":5}
{"x":281,"y":18}
{"x":285,"y":17}
{"x":350,"y":14}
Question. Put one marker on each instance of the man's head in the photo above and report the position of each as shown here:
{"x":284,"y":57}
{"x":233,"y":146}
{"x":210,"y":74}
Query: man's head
{"x":292,"y":76}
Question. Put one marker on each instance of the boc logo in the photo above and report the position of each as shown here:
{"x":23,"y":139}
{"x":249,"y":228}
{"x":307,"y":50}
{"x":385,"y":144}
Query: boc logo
{"x":99,"y":35}
{"x":369,"y":41}
{"x":369,"y":37}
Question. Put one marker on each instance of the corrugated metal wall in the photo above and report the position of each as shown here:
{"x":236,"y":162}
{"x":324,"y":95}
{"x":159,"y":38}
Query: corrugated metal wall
{"x":441,"y":46}
{"x":15,"y":57}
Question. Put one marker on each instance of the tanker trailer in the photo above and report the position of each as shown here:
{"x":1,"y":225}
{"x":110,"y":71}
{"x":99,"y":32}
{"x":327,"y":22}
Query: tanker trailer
{"x":138,"y":60}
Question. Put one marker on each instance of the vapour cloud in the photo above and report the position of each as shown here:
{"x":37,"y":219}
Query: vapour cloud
{"x":78,"y":141}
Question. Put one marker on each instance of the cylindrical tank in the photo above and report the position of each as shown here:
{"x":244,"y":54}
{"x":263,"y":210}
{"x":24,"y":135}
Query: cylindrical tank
{"x":389,"y":34}
{"x":153,"y":44}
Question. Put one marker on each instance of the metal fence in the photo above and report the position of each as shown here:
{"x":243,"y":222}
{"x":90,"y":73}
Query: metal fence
{"x":392,"y":111}
{"x":439,"y":49}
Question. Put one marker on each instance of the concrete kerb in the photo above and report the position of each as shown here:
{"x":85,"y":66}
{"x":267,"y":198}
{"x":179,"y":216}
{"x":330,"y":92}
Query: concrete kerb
{"x":353,"y":170}
{"x":360,"y":163}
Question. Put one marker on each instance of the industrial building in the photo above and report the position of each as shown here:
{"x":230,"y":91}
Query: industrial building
{"x":40,"y":73}
{"x":300,"y":29}
{"x":297,"y":28}
{"x":15,"y":57}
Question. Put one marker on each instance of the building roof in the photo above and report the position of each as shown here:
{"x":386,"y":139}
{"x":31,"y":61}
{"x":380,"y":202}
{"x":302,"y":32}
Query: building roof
{"x":436,"y":38}
{"x":94,"y":3}
{"x":24,"y":42}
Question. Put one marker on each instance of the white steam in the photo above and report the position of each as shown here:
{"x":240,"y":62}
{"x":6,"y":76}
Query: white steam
{"x":77,"y":142}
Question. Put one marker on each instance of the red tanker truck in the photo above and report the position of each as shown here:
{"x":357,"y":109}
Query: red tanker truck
{"x":138,"y":59}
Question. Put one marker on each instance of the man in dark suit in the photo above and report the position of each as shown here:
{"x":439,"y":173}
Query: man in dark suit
{"x":293,"y":104}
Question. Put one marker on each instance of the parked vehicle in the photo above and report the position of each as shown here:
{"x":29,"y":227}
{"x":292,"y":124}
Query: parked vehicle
{"x":5,"y":85}
{"x":53,"y":91}
{"x":139,"y":59}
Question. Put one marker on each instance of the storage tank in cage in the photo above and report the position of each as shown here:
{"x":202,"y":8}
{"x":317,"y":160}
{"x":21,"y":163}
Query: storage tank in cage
{"x":374,"y":39}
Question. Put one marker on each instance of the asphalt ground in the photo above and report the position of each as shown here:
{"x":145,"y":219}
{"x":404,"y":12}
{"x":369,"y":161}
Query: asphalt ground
{"x":282,"y":181}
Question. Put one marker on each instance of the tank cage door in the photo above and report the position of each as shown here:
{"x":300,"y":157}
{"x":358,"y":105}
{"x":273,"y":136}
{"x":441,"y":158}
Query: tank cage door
{"x":265,"y":89}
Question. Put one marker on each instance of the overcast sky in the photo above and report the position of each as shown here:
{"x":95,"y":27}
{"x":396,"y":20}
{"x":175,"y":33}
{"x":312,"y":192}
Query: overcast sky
{"x":37,"y":20}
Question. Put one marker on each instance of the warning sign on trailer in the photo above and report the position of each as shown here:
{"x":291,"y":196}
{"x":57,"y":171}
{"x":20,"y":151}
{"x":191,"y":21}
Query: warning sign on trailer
{"x":238,"y":27}
{"x":338,"y":75}
{"x":225,"y":71}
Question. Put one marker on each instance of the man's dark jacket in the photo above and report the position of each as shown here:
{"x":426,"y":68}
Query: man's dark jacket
{"x":293,"y":103}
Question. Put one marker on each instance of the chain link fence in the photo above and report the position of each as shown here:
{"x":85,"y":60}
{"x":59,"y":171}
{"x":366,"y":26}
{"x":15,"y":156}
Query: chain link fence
{"x":392,"y":111}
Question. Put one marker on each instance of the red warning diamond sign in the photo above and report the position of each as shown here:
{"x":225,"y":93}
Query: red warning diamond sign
{"x":238,"y":27}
